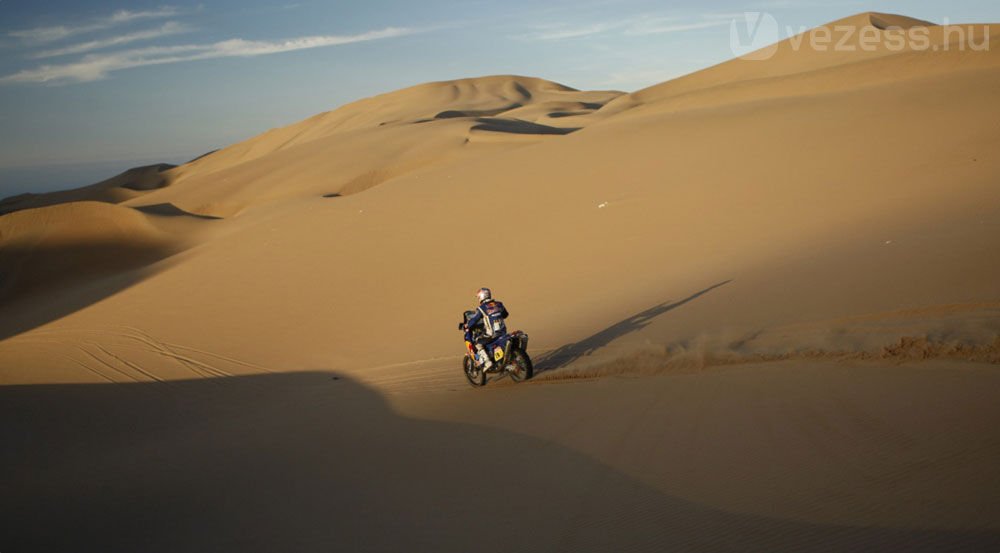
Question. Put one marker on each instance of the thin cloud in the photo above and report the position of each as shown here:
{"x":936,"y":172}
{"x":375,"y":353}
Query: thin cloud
{"x":42,"y":35}
{"x":641,"y":25}
{"x":167,"y":29}
{"x":565,"y":31}
{"x":98,"y":66}
{"x":801,"y":4}
{"x":675,"y":28}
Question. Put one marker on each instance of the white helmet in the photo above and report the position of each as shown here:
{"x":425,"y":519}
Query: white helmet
{"x":484,"y":295}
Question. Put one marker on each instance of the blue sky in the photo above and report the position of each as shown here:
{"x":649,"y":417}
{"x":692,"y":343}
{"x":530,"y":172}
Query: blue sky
{"x":105,"y":84}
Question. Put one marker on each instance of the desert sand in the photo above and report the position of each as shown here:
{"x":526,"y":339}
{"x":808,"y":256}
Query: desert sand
{"x":763,"y":301}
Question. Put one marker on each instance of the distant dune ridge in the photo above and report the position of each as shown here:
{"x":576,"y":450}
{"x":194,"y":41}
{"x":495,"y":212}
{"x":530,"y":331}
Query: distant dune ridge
{"x":256,"y":350}
{"x":115,"y":190}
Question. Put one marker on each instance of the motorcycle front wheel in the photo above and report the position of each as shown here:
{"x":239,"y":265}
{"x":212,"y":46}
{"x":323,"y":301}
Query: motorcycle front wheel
{"x":475,"y":375}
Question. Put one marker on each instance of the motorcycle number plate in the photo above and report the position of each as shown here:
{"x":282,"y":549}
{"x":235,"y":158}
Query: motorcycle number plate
{"x":497,"y":354}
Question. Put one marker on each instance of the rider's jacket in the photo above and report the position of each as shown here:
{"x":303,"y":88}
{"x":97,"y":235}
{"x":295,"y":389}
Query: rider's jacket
{"x":490,"y":315}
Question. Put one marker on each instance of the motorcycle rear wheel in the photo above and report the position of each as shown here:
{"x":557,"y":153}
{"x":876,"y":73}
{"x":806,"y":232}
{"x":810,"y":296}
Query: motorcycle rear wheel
{"x":475,"y":375}
{"x":524,"y":369}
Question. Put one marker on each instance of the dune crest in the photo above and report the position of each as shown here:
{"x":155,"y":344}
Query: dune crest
{"x":886,"y":21}
{"x":368,"y":142}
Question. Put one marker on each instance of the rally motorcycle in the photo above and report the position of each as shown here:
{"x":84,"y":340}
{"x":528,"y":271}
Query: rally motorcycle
{"x":510,"y":357}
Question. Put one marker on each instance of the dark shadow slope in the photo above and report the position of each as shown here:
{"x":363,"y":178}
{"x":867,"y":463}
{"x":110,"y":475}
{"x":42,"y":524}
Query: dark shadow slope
{"x":305,"y":462}
{"x":41,"y":285}
{"x":171,"y":210}
{"x":518,"y":126}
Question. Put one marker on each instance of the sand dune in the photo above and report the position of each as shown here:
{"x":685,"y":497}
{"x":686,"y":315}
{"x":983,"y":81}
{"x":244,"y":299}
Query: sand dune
{"x":365,"y":143}
{"x":794,"y":257}
{"x":816,"y":182}
{"x":851,"y":53}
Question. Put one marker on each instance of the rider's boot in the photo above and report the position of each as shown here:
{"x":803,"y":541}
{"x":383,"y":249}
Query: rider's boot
{"x":484,"y":359}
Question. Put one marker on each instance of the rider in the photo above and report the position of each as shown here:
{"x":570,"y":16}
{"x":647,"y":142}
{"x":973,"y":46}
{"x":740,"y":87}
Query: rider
{"x":489,"y":316}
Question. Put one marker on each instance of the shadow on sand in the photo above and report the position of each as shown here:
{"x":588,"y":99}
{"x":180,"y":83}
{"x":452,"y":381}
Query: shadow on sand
{"x":518,"y":126}
{"x":42,"y":284}
{"x":305,"y":462}
{"x":171,"y":210}
{"x":38,"y":286}
{"x":569,"y":353}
